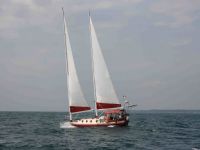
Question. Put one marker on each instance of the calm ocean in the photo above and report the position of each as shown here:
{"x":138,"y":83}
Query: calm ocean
{"x":147,"y":130}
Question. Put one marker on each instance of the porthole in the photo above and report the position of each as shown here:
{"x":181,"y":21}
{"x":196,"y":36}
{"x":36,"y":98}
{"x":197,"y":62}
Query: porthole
{"x":90,"y":120}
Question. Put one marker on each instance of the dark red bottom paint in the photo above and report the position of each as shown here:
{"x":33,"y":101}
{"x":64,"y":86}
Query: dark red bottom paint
{"x":125,"y":123}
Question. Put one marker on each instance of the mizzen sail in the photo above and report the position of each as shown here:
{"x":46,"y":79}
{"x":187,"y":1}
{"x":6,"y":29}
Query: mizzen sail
{"x":77,"y":102}
{"x":104,"y":91}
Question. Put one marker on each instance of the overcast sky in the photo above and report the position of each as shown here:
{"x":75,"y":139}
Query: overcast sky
{"x":151,"y":48}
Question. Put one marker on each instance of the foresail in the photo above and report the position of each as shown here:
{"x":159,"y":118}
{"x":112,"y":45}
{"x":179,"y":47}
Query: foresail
{"x":76,"y":98}
{"x":104,"y":90}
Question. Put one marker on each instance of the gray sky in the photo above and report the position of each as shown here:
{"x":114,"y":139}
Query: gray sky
{"x":151,"y":48}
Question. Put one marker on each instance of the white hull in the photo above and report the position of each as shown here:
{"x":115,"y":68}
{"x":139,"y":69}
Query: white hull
{"x":92,"y":122}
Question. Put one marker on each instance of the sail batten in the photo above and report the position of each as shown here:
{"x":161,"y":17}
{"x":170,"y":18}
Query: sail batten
{"x":104,"y":91}
{"x":77,"y":102}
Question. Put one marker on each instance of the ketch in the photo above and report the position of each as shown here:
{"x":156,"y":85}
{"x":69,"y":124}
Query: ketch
{"x":108,"y":110}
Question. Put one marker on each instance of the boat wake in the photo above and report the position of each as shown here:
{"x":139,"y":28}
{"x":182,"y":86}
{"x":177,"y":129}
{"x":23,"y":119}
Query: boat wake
{"x":66,"y":125}
{"x":195,"y":148}
{"x":111,"y":126}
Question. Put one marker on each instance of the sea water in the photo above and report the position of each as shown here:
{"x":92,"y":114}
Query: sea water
{"x":147,"y":130}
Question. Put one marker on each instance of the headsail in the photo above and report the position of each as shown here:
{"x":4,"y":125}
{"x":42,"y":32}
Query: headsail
{"x":77,"y":102}
{"x":104,"y":91}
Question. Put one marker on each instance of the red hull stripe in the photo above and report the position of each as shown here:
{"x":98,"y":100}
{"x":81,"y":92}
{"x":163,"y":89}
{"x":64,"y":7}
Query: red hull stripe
{"x":107,"y":105}
{"x":74,"y":109}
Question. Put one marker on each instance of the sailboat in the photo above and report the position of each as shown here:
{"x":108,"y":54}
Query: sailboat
{"x":106,"y":100}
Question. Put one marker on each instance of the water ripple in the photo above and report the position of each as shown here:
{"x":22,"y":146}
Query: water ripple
{"x":149,"y":131}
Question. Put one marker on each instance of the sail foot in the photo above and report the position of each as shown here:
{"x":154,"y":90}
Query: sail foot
{"x":106,"y":105}
{"x":74,"y":109}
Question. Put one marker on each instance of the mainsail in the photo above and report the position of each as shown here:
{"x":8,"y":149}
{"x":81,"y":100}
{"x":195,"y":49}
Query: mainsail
{"x":77,"y":102}
{"x":104,"y":91}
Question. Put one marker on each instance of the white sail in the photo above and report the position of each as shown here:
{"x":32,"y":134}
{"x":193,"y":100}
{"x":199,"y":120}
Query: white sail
{"x":104,"y":90}
{"x":76,"y":98}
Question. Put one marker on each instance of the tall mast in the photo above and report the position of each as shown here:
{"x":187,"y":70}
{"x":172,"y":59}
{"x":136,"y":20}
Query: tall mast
{"x":95,"y":97}
{"x":67,"y":70}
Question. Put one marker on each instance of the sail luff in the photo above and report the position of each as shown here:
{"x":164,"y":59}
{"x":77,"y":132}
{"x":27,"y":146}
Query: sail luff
{"x":67,"y":71}
{"x":105,"y":94}
{"x":93,"y":76}
{"x":77,"y":102}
